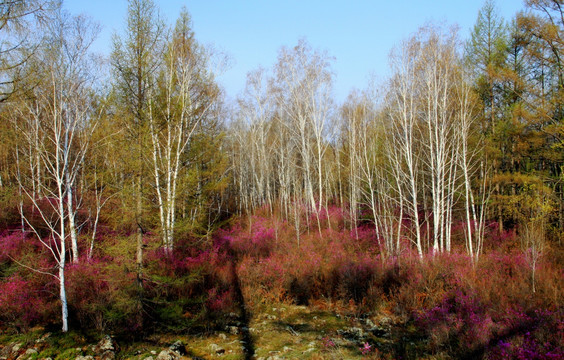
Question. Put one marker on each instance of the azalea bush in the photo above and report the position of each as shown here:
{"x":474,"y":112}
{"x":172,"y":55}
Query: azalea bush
{"x":459,"y":306}
{"x":451,"y":304}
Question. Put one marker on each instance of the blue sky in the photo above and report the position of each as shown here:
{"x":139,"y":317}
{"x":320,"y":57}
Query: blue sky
{"x":359,"y":34}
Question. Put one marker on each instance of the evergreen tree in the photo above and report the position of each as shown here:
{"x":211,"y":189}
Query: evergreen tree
{"x":135,"y":61}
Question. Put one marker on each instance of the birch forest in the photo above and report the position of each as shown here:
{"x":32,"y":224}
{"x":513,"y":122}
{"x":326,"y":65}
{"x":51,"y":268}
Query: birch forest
{"x":421,"y":217}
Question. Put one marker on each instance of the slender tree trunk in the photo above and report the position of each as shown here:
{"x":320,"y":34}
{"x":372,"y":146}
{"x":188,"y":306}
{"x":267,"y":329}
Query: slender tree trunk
{"x":139,"y":248}
{"x":63,"y":293}
{"x":62,"y":239}
{"x":71,"y":218}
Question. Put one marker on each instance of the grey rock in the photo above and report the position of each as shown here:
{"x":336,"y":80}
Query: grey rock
{"x":353,"y":333}
{"x":27,"y":354}
{"x":178,"y":347}
{"x":385,"y":320}
{"x":88,"y":357}
{"x":106,"y":344}
{"x":148,"y":358}
{"x":217,"y":349}
{"x":108,"y":355}
{"x":168,"y":355}
{"x":16,"y":348}
{"x":379,"y":331}
{"x":106,"y":348}
{"x":43,"y":338}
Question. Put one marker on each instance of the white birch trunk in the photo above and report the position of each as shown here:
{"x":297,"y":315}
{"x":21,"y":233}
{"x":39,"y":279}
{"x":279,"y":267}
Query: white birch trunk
{"x":71,"y":218}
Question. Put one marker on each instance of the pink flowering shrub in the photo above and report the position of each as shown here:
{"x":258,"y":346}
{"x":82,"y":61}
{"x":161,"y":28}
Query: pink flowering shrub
{"x":90,"y":295}
{"x":459,"y":321}
{"x":332,"y":217}
{"x":220,"y":300}
{"x":537,"y":335}
{"x":258,"y":240}
{"x":22,"y":246}
{"x":26,"y":303}
{"x":452,"y":304}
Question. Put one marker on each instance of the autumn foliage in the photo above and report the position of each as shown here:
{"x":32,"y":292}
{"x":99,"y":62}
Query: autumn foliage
{"x":435,"y":207}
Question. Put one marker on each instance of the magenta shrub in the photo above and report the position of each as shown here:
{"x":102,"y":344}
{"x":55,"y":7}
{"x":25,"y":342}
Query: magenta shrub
{"x":461,"y":307}
{"x":476,"y":310}
{"x":459,"y":321}
{"x":89,"y":294}
{"x":536,"y":336}
{"x":26,"y":303}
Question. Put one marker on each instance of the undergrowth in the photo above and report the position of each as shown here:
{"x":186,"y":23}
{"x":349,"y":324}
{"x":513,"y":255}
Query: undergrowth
{"x":444,"y":305}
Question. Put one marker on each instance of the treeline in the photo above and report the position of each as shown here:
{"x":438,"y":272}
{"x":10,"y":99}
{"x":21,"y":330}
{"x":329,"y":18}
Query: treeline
{"x":461,"y":134}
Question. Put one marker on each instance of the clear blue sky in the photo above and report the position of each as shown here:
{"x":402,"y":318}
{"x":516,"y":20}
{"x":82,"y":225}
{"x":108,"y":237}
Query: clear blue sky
{"x":358,"y":33}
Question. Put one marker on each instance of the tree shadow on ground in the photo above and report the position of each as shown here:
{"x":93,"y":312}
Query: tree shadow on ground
{"x":244,"y":318}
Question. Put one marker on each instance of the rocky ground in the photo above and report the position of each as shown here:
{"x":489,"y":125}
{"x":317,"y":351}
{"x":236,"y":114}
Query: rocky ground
{"x":283,"y":332}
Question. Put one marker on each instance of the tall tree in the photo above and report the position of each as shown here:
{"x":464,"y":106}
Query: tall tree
{"x":304,"y":84}
{"x":256,"y":110}
{"x":486,"y":54}
{"x":542,"y":37}
{"x":402,"y":153}
{"x":430,"y":111}
{"x":62,"y":122}
{"x":135,"y":61}
{"x":474,"y":167}
{"x":186,"y":93}
{"x":17,"y":17}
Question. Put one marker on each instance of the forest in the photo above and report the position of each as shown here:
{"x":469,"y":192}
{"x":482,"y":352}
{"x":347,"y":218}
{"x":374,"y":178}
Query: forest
{"x":422,"y":217}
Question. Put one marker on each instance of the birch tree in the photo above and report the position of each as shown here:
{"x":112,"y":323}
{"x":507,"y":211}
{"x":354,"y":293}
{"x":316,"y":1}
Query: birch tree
{"x":474,"y":168}
{"x":18,"y":20}
{"x":403,"y":153}
{"x":437,"y":73}
{"x":62,"y":127}
{"x":304,"y":82}
{"x":352,"y":115}
{"x":189,"y":92}
{"x":256,"y":110}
